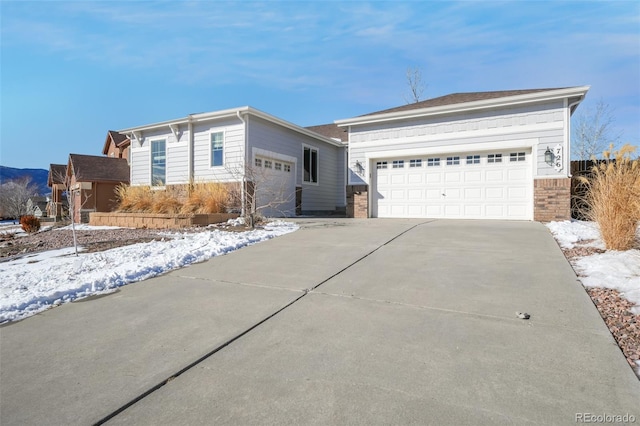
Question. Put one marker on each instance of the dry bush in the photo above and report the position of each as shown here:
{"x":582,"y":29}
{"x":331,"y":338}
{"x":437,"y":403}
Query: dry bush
{"x":206,"y":197}
{"x":613,"y":197}
{"x":134,"y":198}
{"x":165,"y":202}
{"x":30,"y":223}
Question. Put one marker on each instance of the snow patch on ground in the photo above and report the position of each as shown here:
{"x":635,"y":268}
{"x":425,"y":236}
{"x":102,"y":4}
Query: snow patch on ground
{"x":617,"y":270}
{"x":33,"y":284}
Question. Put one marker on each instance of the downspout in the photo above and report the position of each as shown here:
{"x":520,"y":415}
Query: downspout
{"x":243,"y":188}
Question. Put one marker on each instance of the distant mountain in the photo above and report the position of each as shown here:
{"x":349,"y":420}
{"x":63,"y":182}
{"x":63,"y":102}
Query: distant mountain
{"x":38,"y":176}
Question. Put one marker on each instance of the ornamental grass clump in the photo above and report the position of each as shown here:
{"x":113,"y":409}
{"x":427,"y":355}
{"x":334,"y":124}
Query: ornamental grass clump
{"x":613,"y":197}
{"x":134,"y":198}
{"x":206,"y":198}
{"x":165,"y":202}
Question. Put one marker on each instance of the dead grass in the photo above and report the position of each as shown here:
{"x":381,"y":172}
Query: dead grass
{"x":613,"y":197}
{"x":203,"y":197}
{"x":206,"y":197}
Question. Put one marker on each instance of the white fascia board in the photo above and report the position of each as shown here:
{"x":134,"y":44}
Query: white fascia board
{"x":193,"y":118}
{"x":454,"y":149}
{"x":528,"y":98}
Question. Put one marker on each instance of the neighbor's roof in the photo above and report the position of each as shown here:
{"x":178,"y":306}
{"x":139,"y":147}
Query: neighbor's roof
{"x":331,"y":131}
{"x":93,"y":168}
{"x":57,"y":172}
{"x":459,"y":102}
{"x":118,"y":140}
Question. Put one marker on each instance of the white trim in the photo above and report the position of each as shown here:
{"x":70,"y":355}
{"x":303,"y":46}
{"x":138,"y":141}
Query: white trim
{"x":312,"y":148}
{"x":501,"y":131}
{"x":506,"y":101}
{"x":224,"y":147}
{"x":270,"y":154}
{"x":453,"y":149}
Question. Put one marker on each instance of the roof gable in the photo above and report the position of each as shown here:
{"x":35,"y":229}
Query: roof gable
{"x":118,"y":139}
{"x":330,"y":130}
{"x":93,"y":168}
{"x":57,"y":173}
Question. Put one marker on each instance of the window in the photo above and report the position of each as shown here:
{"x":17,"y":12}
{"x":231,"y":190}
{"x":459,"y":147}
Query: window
{"x":258,"y":162}
{"x":494,"y":158}
{"x":516,"y":156}
{"x":381,"y":165}
{"x":415,"y":163}
{"x":433,"y":162}
{"x":473,"y":159}
{"x":267,"y":164}
{"x":398,"y":164}
{"x":217,"y":142}
{"x":453,"y":161}
{"x":158,"y":162}
{"x":278,"y":166}
{"x":310,"y":161}
{"x":287,"y":168}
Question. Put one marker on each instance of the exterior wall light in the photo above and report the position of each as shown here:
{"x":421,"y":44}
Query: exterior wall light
{"x":548,"y":157}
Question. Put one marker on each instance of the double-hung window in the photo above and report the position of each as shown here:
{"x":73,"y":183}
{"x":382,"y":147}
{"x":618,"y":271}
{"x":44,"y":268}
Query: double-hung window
{"x":310,"y":161}
{"x":217,"y":149}
{"x":158,"y":162}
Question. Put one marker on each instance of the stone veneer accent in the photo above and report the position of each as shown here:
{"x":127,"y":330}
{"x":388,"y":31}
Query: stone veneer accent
{"x":358,"y":201}
{"x":157,"y":221}
{"x":552,"y":199}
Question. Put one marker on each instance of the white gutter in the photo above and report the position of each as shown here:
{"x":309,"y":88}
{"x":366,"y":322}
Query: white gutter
{"x":467,"y":106}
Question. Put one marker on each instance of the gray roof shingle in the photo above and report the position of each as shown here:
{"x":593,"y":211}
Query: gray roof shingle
{"x":93,"y":168}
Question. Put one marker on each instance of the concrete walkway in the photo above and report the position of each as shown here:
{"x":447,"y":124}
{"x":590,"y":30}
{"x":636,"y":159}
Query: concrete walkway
{"x":341,"y":322}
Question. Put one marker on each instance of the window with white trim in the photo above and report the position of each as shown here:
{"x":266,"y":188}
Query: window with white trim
{"x":381,"y":165}
{"x":415,"y":163}
{"x":310,"y":162}
{"x":453,"y":161}
{"x":267,"y":164}
{"x":473,"y":159}
{"x":287,"y":168}
{"x":516,"y":156}
{"x":258,"y":162}
{"x":158,"y":162}
{"x":277,"y":166}
{"x":398,"y":164}
{"x":217,"y":149}
{"x":433,"y":162}
{"x":494,"y":158}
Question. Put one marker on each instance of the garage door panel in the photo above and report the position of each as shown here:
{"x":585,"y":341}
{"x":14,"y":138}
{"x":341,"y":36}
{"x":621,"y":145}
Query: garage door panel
{"x":477,"y":190}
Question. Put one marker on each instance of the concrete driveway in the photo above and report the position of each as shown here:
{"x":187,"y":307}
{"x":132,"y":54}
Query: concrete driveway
{"x":342,"y":322}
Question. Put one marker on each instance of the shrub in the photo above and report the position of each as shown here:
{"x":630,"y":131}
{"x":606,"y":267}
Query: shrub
{"x":206,"y":197}
{"x":613,"y":197}
{"x":30,"y":224}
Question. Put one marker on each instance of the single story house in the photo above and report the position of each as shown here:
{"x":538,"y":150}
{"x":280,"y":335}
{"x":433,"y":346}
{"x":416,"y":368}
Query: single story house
{"x":92,"y":182}
{"x":37,"y":206}
{"x":484,"y":155}
{"x":282,"y":168}
{"x":481,"y":155}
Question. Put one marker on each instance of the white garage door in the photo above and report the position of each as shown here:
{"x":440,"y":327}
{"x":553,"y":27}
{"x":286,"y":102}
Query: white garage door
{"x":275,"y":187}
{"x":493,"y":185}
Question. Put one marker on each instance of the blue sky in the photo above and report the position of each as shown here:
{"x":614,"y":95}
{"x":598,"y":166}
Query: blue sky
{"x":70,"y":71}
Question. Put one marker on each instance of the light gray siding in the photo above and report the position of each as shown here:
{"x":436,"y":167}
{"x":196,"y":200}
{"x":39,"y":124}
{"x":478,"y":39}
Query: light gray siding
{"x":233,"y":150}
{"x":539,"y":126}
{"x":322,"y":196}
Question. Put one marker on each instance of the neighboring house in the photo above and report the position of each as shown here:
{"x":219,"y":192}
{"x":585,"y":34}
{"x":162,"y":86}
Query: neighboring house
{"x":56,"y":181}
{"x":294,"y":170}
{"x":485,"y":155}
{"x":37,"y":206}
{"x":116,"y":145}
{"x":92,"y":181}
